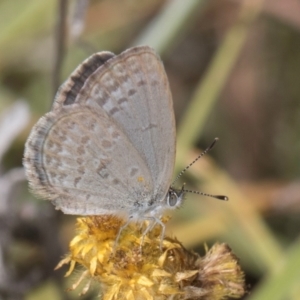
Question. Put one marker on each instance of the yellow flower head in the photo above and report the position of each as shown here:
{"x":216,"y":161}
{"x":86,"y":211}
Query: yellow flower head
{"x":137,"y":268}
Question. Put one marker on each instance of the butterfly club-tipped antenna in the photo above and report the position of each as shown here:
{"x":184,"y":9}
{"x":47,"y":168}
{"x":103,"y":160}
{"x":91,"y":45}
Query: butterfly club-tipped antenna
{"x":219,"y":197}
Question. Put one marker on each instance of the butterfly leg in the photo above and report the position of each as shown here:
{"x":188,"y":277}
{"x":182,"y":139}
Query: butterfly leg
{"x":149,"y":227}
{"x":163,"y":231}
{"x":153,"y":222}
{"x":119,"y":233}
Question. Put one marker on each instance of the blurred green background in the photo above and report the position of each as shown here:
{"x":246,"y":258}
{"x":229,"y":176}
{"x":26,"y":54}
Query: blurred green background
{"x":234,"y":69}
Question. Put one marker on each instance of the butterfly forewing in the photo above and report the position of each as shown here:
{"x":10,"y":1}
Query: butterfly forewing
{"x":133,"y":89}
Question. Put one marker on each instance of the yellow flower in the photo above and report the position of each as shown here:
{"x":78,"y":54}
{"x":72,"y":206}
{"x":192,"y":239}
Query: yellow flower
{"x":137,"y":267}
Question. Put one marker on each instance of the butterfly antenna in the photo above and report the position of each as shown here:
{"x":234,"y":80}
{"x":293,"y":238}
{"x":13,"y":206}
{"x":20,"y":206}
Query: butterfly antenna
{"x":197,"y":158}
{"x":219,"y":197}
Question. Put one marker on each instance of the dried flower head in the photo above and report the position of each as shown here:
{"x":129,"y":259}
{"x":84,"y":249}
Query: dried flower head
{"x":138,"y":269}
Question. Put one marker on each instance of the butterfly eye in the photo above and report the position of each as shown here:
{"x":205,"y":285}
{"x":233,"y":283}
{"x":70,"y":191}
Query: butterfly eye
{"x":172,"y":198}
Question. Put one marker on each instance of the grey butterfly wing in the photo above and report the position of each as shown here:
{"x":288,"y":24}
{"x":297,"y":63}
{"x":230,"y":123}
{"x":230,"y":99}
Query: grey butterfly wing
{"x":132,"y":88}
{"x":81,"y":160}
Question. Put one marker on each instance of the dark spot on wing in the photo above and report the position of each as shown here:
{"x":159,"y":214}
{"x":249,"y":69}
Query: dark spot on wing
{"x":122,"y":100}
{"x":133,"y":171}
{"x":80,"y":150}
{"x":102,"y":169}
{"x":150,"y":126}
{"x":113,"y":110}
{"x":85,"y":139}
{"x":48,"y":159}
{"x":103,"y":100}
{"x":76,"y":180}
{"x":106,"y":144}
{"x":81,"y":170}
{"x":115,"y":134}
{"x":131,"y":92}
{"x":141,"y":82}
{"x":116,"y":181}
{"x":154,"y":82}
{"x":79,"y":160}
{"x":115,"y":86}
